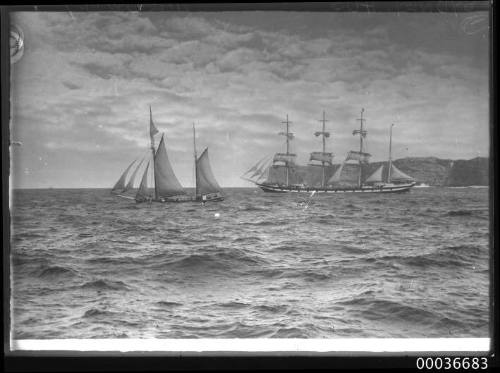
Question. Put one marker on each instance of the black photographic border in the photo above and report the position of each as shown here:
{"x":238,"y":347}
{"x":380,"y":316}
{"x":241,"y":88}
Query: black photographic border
{"x":157,"y":361}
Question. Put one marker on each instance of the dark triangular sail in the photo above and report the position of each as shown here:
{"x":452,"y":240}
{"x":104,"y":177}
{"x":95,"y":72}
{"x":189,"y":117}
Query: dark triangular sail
{"x":398,"y":175}
{"x":143,"y":193}
{"x":130,"y":184}
{"x":120,"y":184}
{"x":166,"y":182}
{"x":205,"y":179}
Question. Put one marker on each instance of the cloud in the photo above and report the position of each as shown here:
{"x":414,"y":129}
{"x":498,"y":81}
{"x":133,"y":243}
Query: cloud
{"x":83,"y":88}
{"x":71,"y":85}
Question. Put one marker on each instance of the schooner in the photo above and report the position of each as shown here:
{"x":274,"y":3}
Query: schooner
{"x":165,"y":186}
{"x":267,"y":176}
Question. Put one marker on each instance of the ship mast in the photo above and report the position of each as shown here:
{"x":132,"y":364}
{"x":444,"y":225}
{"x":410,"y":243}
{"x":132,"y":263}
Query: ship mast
{"x":287,"y":134}
{"x":390,"y":156}
{"x":323,"y":133}
{"x":152,"y":131}
{"x":195,"y":159}
{"x":362,"y":134}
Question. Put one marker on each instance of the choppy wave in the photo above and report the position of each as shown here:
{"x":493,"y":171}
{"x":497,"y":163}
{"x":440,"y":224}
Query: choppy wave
{"x":55,"y":271}
{"x":381,"y":309}
{"x":94,"y":312}
{"x":105,"y":285}
{"x":164,"y":303}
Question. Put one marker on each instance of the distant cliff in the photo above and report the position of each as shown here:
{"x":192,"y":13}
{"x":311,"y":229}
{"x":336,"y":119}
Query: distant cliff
{"x":446,"y":172}
{"x":472,"y":172}
{"x":428,"y":170}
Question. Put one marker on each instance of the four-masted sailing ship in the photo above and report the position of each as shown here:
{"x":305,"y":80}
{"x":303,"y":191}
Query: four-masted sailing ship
{"x":273,"y":175}
{"x":166,"y":187}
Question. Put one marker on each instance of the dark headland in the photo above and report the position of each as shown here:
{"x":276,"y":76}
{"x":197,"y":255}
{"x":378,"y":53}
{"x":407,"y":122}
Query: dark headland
{"x":446,"y":172}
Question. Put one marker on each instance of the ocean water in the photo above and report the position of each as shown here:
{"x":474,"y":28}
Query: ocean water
{"x":86,"y":264}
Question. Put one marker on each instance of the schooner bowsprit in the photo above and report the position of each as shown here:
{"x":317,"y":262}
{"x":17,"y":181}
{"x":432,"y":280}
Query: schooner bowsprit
{"x":274,"y":174}
{"x":166,"y":187}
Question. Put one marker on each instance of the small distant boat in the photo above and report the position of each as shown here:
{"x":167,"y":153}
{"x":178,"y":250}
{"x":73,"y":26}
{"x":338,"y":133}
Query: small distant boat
{"x":165,"y":186}
{"x":266,"y":173}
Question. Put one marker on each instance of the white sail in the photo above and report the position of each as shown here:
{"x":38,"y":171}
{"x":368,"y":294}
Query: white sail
{"x":205,"y":179}
{"x":398,"y":175}
{"x":258,"y":172}
{"x":120,"y":184}
{"x":376,"y":176}
{"x":256,"y":166}
{"x":166,"y":182}
{"x":130,"y":184}
{"x":264,"y":174}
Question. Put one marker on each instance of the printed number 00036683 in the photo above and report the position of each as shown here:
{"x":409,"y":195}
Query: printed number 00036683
{"x":446,"y":363}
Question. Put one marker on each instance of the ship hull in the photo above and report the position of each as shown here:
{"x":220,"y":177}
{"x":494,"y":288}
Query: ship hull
{"x":212,"y":197}
{"x":395,"y":188}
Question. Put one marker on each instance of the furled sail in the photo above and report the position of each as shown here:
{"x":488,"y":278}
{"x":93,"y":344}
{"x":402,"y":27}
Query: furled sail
{"x":358,"y":156}
{"x":398,"y":175}
{"x":143,"y":193}
{"x":284,"y":157}
{"x":205,"y":179}
{"x":288,"y":135}
{"x":376,"y":176}
{"x":166,"y":182}
{"x":322,"y":157}
{"x":120,"y":184}
{"x":130,"y":183}
{"x":319,"y":133}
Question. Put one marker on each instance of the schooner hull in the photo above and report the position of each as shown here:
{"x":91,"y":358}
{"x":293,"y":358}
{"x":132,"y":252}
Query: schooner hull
{"x":401,"y":188}
{"x":214,"y":197}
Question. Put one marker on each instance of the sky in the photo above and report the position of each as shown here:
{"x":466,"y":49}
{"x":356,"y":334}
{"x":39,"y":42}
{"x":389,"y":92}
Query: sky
{"x":82,"y":90}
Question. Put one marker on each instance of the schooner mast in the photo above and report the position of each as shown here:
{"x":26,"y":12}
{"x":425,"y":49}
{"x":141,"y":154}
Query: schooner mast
{"x":390,"y":156}
{"x":152,"y":132}
{"x":195,"y":160}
